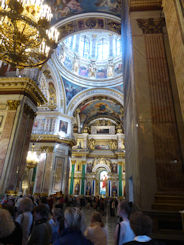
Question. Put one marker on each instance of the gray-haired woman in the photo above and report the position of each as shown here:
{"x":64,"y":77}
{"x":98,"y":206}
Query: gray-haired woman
{"x":73,"y":228}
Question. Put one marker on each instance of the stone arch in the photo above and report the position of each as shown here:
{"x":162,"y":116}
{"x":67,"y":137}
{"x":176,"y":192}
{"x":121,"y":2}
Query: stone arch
{"x":101,"y":165}
{"x":77,"y":100}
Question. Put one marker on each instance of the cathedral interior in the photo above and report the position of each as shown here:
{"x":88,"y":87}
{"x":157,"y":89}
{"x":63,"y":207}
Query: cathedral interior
{"x":104,"y":116}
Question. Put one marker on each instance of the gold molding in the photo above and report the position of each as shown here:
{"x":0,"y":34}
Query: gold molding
{"x":151,"y":26}
{"x":13,"y":104}
{"x":142,"y":5}
{"x":51,"y":139}
{"x":22,"y":85}
{"x":120,"y":153}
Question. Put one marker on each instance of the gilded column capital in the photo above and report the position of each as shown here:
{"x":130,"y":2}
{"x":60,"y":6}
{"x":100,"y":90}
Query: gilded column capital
{"x":73,"y":161}
{"x":47,"y":148}
{"x":13,"y":104}
{"x":29,"y":111}
{"x":151,"y":25}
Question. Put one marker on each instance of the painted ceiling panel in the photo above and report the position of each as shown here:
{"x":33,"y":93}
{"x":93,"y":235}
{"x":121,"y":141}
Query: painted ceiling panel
{"x":65,"y":8}
{"x":97,"y":107}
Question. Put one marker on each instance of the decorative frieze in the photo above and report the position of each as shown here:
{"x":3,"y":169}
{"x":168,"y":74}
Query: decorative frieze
{"x":13,"y":104}
{"x":151,"y":26}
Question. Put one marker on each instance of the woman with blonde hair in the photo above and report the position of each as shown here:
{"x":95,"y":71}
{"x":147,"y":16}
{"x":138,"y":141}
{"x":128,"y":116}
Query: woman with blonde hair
{"x":72,"y":234}
{"x":96,"y":232}
{"x":10,"y":232}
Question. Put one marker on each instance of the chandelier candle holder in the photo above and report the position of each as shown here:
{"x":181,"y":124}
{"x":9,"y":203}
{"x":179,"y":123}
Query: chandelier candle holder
{"x":26,"y":38}
{"x":32,"y":159}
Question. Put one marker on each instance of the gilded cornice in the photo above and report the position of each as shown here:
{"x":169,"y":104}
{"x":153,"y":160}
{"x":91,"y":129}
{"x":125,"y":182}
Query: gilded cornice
{"x":79,"y":154}
{"x":120,"y":153}
{"x":142,"y":5}
{"x":51,"y":139}
{"x":102,"y":156}
{"x":151,"y":26}
{"x":22,"y":85}
{"x":13,"y":104}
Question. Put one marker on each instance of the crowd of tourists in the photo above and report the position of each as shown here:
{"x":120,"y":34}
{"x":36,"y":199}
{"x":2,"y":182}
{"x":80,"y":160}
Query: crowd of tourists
{"x":58,"y":220}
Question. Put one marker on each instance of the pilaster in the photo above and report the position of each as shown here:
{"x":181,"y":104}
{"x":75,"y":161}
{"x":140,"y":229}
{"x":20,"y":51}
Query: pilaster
{"x":19,"y":97}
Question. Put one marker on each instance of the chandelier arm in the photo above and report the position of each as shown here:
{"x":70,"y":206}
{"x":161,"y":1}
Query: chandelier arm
{"x":25,"y":37}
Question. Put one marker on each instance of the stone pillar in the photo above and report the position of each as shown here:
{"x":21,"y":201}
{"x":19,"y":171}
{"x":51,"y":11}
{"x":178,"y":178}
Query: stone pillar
{"x":173,"y":12}
{"x":46,"y":186}
{"x":19,"y":98}
{"x":154,"y":159}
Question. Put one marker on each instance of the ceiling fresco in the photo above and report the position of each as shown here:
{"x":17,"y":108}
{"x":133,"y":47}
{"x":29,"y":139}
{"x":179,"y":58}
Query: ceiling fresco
{"x":65,"y":8}
{"x":97,"y":107}
{"x":71,"y":90}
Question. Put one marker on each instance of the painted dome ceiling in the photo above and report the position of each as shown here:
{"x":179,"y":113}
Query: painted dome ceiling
{"x":91,"y":58}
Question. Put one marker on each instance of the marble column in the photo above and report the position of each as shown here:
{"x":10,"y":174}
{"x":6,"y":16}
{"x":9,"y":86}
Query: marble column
{"x":72,"y":177}
{"x":83,"y":177}
{"x":46,"y":186}
{"x":19,"y":98}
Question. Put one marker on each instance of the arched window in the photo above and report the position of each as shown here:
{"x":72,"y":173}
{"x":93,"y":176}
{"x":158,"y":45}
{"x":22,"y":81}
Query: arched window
{"x":119,"y":46}
{"x":102,"y":49}
{"x":84,"y":45}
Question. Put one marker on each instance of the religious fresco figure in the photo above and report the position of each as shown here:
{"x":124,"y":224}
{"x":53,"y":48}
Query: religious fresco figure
{"x":77,"y":188}
{"x":88,"y":188}
{"x":114,"y":168}
{"x":114,"y":189}
{"x":89,"y":167}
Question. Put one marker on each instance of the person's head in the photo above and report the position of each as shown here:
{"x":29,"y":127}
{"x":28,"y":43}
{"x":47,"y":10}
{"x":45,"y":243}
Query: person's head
{"x":96,"y":217}
{"x":124,"y":209}
{"x":41,"y":212}
{"x":7,"y":225}
{"x":141,"y":224}
{"x":25,"y":205}
{"x":73,"y":218}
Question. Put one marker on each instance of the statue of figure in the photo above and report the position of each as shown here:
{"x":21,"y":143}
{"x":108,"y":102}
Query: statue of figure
{"x":92,"y":70}
{"x":91,"y":144}
{"x":52,"y":95}
{"x":113,"y":145}
{"x":110,"y":70}
{"x":76,"y":65}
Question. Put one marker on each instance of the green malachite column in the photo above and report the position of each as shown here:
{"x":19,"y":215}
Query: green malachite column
{"x":72,"y":179}
{"x":34,"y":174}
{"x":120,"y":180}
{"x":83,"y":179}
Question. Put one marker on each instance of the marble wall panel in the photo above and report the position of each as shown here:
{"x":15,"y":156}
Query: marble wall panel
{"x":5,"y":137}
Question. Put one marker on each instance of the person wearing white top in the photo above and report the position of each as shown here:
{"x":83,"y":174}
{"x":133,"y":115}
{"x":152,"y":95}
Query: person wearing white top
{"x":124,"y":232}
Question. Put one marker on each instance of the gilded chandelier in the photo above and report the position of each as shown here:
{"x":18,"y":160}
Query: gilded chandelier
{"x":26,"y":39}
{"x":32,"y":158}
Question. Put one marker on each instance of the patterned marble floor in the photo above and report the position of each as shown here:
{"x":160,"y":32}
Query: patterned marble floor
{"x":110,"y":223}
